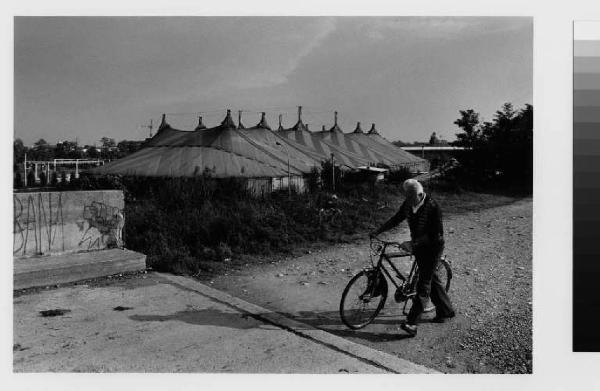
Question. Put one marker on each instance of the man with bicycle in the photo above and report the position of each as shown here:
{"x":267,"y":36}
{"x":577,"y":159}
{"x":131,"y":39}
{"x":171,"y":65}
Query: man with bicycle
{"x":427,"y":244}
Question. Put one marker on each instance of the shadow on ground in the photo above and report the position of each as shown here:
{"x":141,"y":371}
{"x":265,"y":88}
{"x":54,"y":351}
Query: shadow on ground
{"x":328,"y":321}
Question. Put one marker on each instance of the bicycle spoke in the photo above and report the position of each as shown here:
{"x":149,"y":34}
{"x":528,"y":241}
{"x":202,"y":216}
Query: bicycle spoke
{"x":360,"y":307}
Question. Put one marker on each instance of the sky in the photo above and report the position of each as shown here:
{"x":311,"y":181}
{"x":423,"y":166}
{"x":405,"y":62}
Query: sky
{"x":82,"y":78}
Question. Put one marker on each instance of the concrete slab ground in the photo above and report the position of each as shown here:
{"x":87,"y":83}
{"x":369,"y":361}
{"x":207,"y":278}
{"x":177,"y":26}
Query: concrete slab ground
{"x":163,"y":323}
{"x":58,"y":269}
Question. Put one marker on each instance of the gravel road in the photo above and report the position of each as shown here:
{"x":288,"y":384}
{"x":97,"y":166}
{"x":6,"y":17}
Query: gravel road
{"x":491,"y":252}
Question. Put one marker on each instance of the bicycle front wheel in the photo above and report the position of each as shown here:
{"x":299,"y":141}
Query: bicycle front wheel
{"x":363,"y":298}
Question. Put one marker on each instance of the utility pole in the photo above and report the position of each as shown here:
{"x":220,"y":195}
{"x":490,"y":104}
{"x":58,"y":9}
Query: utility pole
{"x":25,"y":170}
{"x":333,"y":172}
{"x":288,"y":167}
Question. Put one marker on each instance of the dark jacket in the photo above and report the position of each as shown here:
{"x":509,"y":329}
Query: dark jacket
{"x":426,"y":227}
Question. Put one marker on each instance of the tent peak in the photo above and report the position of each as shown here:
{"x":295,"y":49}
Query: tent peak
{"x":163,"y":123}
{"x":358,"y":128}
{"x":263,"y":122}
{"x":373,"y":130}
{"x":335,"y":127}
{"x":228,"y":121}
{"x":299,"y":125}
{"x":200,"y":124}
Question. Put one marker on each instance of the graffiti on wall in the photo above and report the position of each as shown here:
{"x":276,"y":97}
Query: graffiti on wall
{"x":41,"y":225}
{"x":38,"y":225}
{"x":104,"y":226}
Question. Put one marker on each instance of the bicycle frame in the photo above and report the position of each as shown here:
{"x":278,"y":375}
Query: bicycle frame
{"x":387,"y":257}
{"x":406,"y":287}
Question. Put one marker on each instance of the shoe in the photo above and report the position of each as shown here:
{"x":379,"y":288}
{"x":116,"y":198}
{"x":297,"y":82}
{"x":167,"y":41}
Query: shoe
{"x":411,"y":329}
{"x":442,"y":319}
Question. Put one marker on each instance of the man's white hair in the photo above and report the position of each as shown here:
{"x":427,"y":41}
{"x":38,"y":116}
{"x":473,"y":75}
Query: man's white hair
{"x":412,"y":186}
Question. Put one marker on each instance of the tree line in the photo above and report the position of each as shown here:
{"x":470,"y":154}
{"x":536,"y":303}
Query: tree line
{"x":43,"y":151}
{"x":500,"y":151}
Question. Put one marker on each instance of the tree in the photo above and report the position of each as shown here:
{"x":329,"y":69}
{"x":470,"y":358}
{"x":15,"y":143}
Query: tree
{"x":107,"y":142}
{"x":54,"y":179}
{"x":30,"y":178}
{"x":501,"y":150}
{"x":504,"y":118}
{"x":63,"y":178}
{"x":19,"y":151}
{"x":468,"y":122}
{"x":18,"y":182}
{"x":127,"y":147}
{"x":42,"y":150}
{"x":43,"y":179}
{"x":91,"y":152}
{"x":108,"y":148}
{"x":433,"y":140}
{"x":67,"y":150}
{"x":400,"y":143}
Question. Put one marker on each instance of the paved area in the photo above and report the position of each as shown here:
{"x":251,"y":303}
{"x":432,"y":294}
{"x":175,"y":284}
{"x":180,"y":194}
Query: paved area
{"x":163,"y":323}
{"x":63,"y":268}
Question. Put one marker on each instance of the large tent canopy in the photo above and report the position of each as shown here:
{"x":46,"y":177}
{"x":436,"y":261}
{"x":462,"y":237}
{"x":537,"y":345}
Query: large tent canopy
{"x":398,"y":156}
{"x":230,"y":150}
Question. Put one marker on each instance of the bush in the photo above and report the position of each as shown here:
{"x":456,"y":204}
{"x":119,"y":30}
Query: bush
{"x":331,"y":176}
{"x":223,"y":252}
{"x":500,"y":152}
{"x":18,"y":182}
{"x":31,"y":178}
{"x":313,"y":180}
{"x":54,"y":179}
{"x":43,"y":179}
{"x":63,"y":179}
{"x":185,"y":224}
{"x":399,"y":175}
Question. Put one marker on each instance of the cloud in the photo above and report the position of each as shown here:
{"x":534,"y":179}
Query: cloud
{"x":442,"y":27}
{"x":310,"y":38}
{"x":270,"y":64}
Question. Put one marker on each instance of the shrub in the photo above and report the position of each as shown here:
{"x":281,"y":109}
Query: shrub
{"x":223,"y":252}
{"x":18,"y":182}
{"x":31,"y":178}
{"x":399,"y":175}
{"x":313,"y":180}
{"x":54,"y":179}
{"x":331,"y":176}
{"x":63,"y":179}
{"x":184,"y":224}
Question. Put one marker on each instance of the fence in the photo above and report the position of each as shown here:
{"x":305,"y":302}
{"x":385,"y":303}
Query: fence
{"x":64,"y":169}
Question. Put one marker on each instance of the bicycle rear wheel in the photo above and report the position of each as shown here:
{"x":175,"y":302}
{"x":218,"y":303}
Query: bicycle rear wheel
{"x":363,"y":298}
{"x":406,"y":296}
{"x":447,"y":275}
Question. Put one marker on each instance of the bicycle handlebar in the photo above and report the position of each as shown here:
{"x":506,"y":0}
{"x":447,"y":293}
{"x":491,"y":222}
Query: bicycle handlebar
{"x":385,"y":241}
{"x":388,"y":243}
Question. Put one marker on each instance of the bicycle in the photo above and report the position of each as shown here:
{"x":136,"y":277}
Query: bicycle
{"x":372,"y":288}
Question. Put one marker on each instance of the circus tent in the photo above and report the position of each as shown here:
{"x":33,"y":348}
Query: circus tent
{"x":283,"y":155}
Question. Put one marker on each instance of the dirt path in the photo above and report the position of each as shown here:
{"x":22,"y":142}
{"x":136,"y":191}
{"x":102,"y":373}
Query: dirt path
{"x":491,"y":255}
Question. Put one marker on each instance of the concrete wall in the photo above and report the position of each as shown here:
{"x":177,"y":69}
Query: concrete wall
{"x":63,"y":222}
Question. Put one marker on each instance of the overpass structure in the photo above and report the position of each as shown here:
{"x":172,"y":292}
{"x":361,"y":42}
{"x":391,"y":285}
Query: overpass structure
{"x":435,"y":154}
